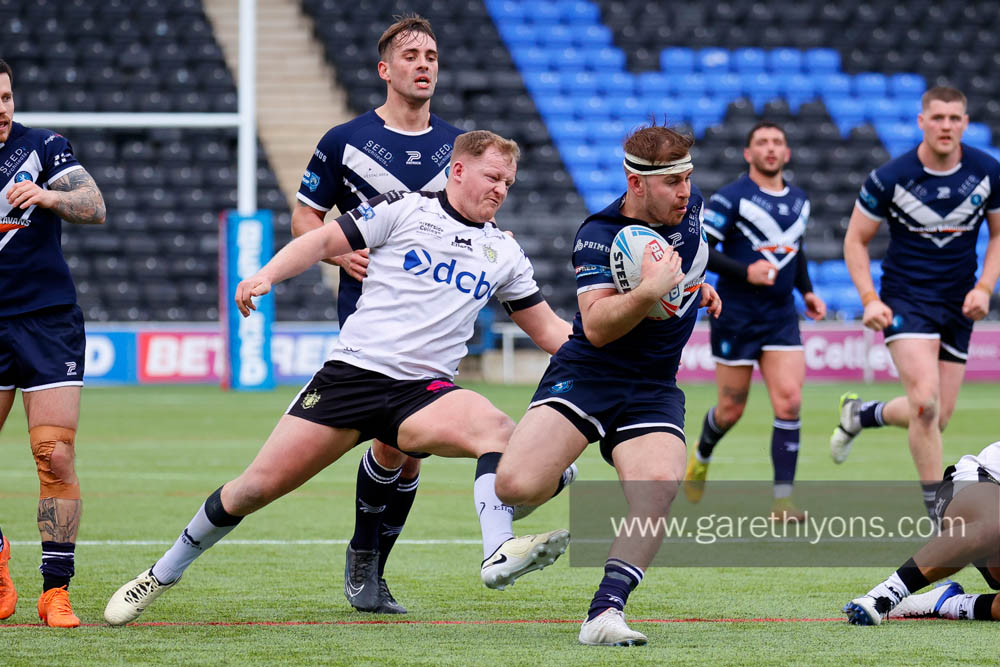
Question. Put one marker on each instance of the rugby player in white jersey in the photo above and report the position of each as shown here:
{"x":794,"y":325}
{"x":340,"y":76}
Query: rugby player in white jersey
{"x":968,"y":502}
{"x":934,"y":199}
{"x":436,"y":259}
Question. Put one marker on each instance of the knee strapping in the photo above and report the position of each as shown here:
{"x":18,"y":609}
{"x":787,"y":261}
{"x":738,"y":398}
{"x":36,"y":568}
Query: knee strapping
{"x":44,"y":440}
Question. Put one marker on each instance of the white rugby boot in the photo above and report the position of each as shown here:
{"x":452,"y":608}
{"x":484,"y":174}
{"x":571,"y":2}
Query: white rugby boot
{"x":609,"y":629}
{"x":521,"y":555}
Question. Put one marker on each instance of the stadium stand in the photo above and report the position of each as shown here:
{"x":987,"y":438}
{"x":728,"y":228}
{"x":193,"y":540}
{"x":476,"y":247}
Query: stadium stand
{"x":565,"y":78}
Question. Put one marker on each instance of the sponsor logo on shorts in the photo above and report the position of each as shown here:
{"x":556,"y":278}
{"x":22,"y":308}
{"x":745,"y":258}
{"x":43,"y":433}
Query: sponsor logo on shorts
{"x":438,"y":385}
{"x":310,"y":400}
{"x":70,"y":368}
{"x":897,"y":322}
{"x":561,"y":387}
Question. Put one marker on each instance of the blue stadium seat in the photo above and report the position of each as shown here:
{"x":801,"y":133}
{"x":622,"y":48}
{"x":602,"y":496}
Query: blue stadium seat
{"x":724,"y":84}
{"x":545,"y":13}
{"x":566,"y":129}
{"x":653,"y":84}
{"x":519,"y":35}
{"x":541,"y":83}
{"x":620,"y":83}
{"x":979,"y":135}
{"x":592,"y":35}
{"x":907,"y":85}
{"x":898,"y":132}
{"x":870,"y":84}
{"x":533,"y":59}
{"x":833,"y":84}
{"x":749,"y":60}
{"x":581,"y":155}
{"x":796,"y":88}
{"x":822,"y":61}
{"x":677,"y":60}
{"x":762,"y":88}
{"x":847,"y":112}
{"x":580,"y":12}
{"x":713,"y":59}
{"x":556,"y":108}
{"x":557,"y":36}
{"x":834,"y":272}
{"x":582,"y":83}
{"x":692,"y":84}
{"x":784,"y":60}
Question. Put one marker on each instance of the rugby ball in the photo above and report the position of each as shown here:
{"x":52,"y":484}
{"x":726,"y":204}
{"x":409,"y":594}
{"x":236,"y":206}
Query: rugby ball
{"x":626,"y":266}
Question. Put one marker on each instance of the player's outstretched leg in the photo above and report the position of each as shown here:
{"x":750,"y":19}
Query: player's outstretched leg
{"x":927,"y":605}
{"x":8,"y":594}
{"x":877,"y":604}
{"x":209,"y":525}
{"x":505,"y":557}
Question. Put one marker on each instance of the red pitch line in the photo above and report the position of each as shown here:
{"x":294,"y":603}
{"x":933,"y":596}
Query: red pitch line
{"x":525,"y":621}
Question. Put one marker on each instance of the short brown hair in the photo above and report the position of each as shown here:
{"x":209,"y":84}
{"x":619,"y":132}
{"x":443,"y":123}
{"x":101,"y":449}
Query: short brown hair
{"x":476,"y":142}
{"x":944,"y":94}
{"x":5,"y":69}
{"x":658,"y":143}
{"x":408,"y":23}
{"x":762,"y":125}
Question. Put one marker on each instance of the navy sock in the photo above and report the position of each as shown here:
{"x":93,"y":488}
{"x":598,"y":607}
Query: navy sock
{"x":930,"y":495}
{"x":57,"y":564}
{"x":373,"y":493}
{"x":711,"y":433}
{"x":620,"y":579}
{"x":395,"y":517}
{"x":871,"y":414}
{"x":785,"y":449}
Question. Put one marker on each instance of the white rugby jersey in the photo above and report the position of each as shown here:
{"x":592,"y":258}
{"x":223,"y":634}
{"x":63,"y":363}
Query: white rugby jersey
{"x":430,"y":273}
{"x":967,"y":468}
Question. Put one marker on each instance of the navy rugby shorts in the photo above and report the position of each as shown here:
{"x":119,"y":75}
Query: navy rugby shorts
{"x":344,"y":396}
{"x":943,"y":321}
{"x":611,"y":409}
{"x":42,"y":349}
{"x":739,"y":342}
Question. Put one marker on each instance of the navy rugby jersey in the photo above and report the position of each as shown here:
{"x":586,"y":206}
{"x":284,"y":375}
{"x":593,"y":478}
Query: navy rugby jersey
{"x":934,"y":219}
{"x":653,"y":348}
{"x":364,"y":158}
{"x":33,"y":272}
{"x":753,"y":223}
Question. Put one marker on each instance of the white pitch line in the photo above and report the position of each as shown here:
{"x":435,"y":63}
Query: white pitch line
{"x":283,"y":543}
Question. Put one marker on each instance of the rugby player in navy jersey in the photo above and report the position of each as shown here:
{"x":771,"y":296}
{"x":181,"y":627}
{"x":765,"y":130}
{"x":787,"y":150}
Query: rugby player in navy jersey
{"x":42,"y":343}
{"x":436,"y":260}
{"x":400,"y":145}
{"x":760,"y":220}
{"x":934,"y":199}
{"x":614,"y":381}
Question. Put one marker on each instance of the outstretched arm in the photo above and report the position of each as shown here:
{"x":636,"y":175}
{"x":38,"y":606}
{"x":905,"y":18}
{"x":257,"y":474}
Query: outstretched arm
{"x":546,"y":329}
{"x":73,"y":197}
{"x":293,"y":259}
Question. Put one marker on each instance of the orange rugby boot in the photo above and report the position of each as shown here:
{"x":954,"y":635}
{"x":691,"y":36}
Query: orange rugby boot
{"x":8,"y":594}
{"x":55,"y":610}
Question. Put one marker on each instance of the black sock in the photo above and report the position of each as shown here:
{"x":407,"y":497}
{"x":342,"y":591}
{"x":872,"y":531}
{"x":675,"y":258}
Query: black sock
{"x":911,"y":577}
{"x":395,"y":517}
{"x":372,"y":496}
{"x":982,"y":609}
{"x":711,"y":433}
{"x":57,"y":564}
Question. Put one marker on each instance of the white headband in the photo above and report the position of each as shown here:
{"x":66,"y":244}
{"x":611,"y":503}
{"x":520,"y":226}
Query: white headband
{"x":638,"y":165}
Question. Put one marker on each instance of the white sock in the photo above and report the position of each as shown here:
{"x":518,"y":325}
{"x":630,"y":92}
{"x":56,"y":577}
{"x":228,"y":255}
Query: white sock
{"x":892,"y":588}
{"x":958,"y":607}
{"x":494,"y":517}
{"x":199,"y":535}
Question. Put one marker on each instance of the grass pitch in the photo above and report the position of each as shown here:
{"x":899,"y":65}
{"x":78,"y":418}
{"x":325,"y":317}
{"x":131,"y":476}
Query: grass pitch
{"x":271,"y":593}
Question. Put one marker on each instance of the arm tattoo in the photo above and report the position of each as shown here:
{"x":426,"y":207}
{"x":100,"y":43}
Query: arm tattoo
{"x":80,"y":201}
{"x":58,"y":519}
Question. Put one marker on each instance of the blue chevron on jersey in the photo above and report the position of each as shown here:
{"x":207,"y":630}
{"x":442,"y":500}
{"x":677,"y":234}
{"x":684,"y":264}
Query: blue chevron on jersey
{"x":754,"y":223}
{"x":653,"y":348}
{"x":33,"y":272}
{"x":363,"y":158}
{"x":934,"y":219}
